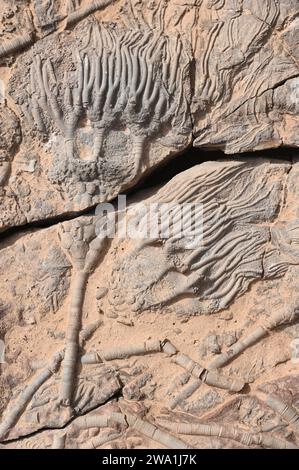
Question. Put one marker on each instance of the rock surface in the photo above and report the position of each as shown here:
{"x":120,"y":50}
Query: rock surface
{"x":135,"y":326}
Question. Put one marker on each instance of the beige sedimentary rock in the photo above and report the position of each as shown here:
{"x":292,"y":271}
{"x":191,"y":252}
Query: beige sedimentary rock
{"x":102,"y":97}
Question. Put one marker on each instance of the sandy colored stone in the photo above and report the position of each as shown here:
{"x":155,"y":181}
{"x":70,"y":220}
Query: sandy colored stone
{"x":146,"y":377}
{"x":169,"y":340}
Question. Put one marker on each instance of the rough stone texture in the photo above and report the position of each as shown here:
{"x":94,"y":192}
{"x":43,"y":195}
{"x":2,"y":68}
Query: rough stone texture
{"x":153,"y":290}
{"x":100,"y":106}
{"x":111,"y":89}
{"x":246,"y":82}
{"x":171,"y":340}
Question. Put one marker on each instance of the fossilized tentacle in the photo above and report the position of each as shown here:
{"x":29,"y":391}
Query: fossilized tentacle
{"x":51,"y":94}
{"x":77,"y":92}
{"x":143,"y":68}
{"x":89,"y":77}
{"x":37,"y":83}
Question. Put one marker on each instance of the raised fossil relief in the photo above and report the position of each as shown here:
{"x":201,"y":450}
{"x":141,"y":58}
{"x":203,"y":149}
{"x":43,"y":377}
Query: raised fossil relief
{"x":238,"y":110}
{"x":79,"y":378}
{"x":108,"y":110}
{"x":118,"y":328}
{"x":234,"y":91}
{"x":134,"y":81}
{"x":16,"y":28}
{"x":21,"y":26}
{"x":239,"y":244}
{"x":119,"y":84}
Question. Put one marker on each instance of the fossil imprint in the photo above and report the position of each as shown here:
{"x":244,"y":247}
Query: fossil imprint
{"x":231,"y":217}
{"x":131,"y":80}
{"x":239,"y":244}
{"x":234,"y":217}
{"x":135,"y":81}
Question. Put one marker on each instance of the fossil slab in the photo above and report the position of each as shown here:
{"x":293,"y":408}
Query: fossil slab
{"x":246,"y":85}
{"x":157,"y":325}
{"x":99,"y":106}
{"x":242,"y":240}
{"x":104,"y":91}
{"x":172,"y":321}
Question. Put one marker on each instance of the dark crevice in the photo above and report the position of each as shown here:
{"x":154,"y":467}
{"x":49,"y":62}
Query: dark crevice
{"x":195,"y":156}
{"x":11,"y":235}
{"x":158,"y":176}
{"x":153,"y":179}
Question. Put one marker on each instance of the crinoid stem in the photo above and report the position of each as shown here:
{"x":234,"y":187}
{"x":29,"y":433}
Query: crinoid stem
{"x":227,"y":432}
{"x":89,"y":330}
{"x":211,"y":378}
{"x":15,"y":45}
{"x":122,"y":352}
{"x":91,"y":358}
{"x":85,"y":11}
{"x":98,"y":441}
{"x":186,"y":392}
{"x":98,"y":142}
{"x":100,"y":421}
{"x":26,"y":395}
{"x":180,"y":380}
{"x":138,"y":145}
{"x":259,"y":333}
{"x":287,"y":412}
{"x":153,"y":432}
{"x":200,"y":373}
{"x":69,"y":364}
